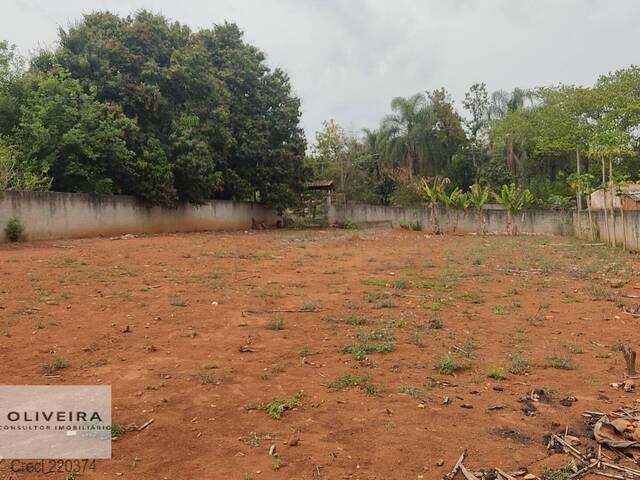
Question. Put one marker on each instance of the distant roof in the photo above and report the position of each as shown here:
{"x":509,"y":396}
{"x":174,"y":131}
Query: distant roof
{"x":631,"y":190}
{"x":319,"y":185}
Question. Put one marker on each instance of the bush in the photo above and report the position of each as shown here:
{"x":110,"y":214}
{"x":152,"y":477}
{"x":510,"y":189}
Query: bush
{"x":417,"y":226}
{"x":345,"y":224}
{"x":14,"y":230}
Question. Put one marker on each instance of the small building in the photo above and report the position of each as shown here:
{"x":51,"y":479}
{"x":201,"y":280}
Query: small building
{"x":628,"y":197}
{"x":317,"y":199}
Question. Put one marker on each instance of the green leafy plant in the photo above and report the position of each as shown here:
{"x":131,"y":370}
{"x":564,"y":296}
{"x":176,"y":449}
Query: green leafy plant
{"x":561,"y":363}
{"x":14,"y":230}
{"x":497,"y":374}
{"x":478,"y":196}
{"x":376,"y":341}
{"x":434,"y":194}
{"x":518,"y":363}
{"x":345,"y":224}
{"x":118,"y":430}
{"x":276,"y":408}
{"x":514,"y":199}
{"x":447,"y":365}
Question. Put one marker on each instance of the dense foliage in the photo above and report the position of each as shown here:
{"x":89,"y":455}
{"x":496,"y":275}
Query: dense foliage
{"x":144,"y":106}
{"x":533,"y":138}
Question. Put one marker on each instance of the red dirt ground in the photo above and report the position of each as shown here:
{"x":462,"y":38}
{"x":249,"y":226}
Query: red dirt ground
{"x":190,"y":303}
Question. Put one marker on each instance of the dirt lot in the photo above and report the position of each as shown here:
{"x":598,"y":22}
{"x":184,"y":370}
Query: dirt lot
{"x":350,"y":328}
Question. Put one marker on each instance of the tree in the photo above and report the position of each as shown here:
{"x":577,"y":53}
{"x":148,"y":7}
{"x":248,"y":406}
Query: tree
{"x":403,"y":131}
{"x":434,"y":193}
{"x":583,"y":183}
{"x":478,"y":196}
{"x":476,"y":102}
{"x":514,"y":199}
{"x":68,"y":135}
{"x":201,"y":114}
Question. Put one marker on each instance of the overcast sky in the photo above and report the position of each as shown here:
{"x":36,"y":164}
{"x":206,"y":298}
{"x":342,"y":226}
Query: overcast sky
{"x":349,"y":58}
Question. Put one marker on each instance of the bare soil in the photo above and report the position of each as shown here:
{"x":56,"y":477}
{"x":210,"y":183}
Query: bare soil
{"x":198,"y":331}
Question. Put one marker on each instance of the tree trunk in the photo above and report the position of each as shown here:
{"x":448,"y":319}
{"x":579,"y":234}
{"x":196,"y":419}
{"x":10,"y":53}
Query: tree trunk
{"x":604,"y":202}
{"x":611,"y":192}
{"x":590,"y":220}
{"x":624,"y":227}
{"x":578,"y":192}
{"x":434,"y":219}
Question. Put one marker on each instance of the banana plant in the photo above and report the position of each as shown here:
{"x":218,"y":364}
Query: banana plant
{"x":434,"y":193}
{"x":458,"y":200}
{"x":514,"y":199}
{"x":478,"y":196}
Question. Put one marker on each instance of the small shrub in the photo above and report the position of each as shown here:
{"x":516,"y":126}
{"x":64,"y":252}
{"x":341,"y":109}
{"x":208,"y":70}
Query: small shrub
{"x":497,"y":374}
{"x":118,"y":430}
{"x":436,"y":323}
{"x":14,"y":230}
{"x":277,"y":324}
{"x":385,"y":304}
{"x":59,"y":363}
{"x":177,"y":301}
{"x":562,"y":473}
{"x":372,"y":390}
{"x":499,"y":310}
{"x":356,"y":320}
{"x":447,"y":365}
{"x":410,"y":390}
{"x":376,"y":341}
{"x":561,"y":363}
{"x":253,"y":440}
{"x":276,"y":408}
{"x":209,"y":380}
{"x":361,"y":381}
{"x":345,"y":224}
{"x":416,"y":226}
{"x":518,"y":363}
{"x":310,"y":307}
{"x":572,"y":348}
{"x":349,"y":380}
{"x":401,"y":283}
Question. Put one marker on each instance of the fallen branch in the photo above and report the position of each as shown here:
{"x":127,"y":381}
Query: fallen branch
{"x":145,"y":424}
{"x":456,"y":467}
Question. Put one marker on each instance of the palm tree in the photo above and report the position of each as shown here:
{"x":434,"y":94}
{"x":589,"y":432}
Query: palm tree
{"x":403,"y":132}
{"x":514,"y":104}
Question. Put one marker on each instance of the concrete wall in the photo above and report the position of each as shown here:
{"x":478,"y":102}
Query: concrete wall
{"x":625,"y":233}
{"x":66,"y":215}
{"x":550,"y":222}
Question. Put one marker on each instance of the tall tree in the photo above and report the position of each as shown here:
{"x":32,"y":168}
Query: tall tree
{"x":404,"y":132}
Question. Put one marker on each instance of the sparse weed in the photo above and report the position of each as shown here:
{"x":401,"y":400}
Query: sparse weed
{"x":561,"y":363}
{"x":447,"y":365}
{"x":518,"y":363}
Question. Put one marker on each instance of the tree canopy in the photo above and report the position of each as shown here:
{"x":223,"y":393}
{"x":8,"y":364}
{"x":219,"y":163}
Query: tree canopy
{"x":144,"y":106}
{"x":533,"y":138}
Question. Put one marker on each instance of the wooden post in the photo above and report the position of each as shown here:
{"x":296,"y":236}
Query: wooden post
{"x":630,"y":359}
